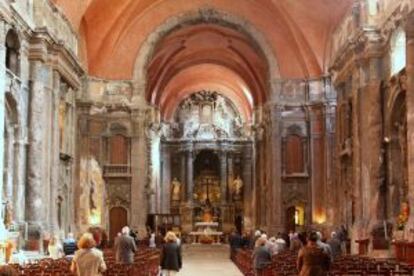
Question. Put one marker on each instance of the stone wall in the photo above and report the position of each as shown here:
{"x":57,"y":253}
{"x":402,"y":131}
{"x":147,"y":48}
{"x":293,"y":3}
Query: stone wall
{"x":304,"y":109}
{"x":369,"y":173}
{"x":39,"y":170}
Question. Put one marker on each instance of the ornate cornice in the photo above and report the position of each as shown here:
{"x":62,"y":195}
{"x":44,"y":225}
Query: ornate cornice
{"x":44,"y":47}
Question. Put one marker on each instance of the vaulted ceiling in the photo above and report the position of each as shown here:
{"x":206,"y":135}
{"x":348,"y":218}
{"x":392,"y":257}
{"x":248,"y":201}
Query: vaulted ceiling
{"x":112,"y":33}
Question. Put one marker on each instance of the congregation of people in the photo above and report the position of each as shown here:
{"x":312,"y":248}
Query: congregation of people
{"x":306,"y":254}
{"x":314,"y":252}
{"x":90,"y":255}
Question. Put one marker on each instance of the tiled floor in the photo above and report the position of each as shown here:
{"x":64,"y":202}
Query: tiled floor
{"x":207,"y":260}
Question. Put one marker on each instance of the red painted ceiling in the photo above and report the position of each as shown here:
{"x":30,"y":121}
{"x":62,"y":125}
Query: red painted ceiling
{"x":113,"y":31}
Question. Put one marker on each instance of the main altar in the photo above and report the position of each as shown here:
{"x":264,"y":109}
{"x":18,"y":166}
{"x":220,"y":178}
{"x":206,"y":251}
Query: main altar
{"x":206,"y":232}
{"x":206,"y":168}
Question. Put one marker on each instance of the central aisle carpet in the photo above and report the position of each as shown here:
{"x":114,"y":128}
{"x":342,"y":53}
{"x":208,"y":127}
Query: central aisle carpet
{"x":208,"y":260}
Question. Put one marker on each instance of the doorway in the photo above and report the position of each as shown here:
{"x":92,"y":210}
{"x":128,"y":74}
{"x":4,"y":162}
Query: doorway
{"x":117,"y":219}
{"x":290,"y":219}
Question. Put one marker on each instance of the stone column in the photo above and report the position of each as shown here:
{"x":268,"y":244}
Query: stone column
{"x":223,"y":176}
{"x":166,"y":180}
{"x":36,"y":199}
{"x":19,"y":190}
{"x":139,"y":158}
{"x":182,"y":176}
{"x":247,"y":174}
{"x":317,"y":147}
{"x":409,"y":29}
{"x":230,"y":177}
{"x":3,"y":29}
{"x":331,"y":188}
{"x":54,"y":153}
{"x":275,"y":211}
{"x":81,"y":153}
{"x":8,"y":191}
{"x":371,"y":143}
{"x":190,"y":176}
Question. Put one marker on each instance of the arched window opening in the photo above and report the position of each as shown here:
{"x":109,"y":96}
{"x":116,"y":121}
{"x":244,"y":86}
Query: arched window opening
{"x":398,"y":51}
{"x":12,"y":52}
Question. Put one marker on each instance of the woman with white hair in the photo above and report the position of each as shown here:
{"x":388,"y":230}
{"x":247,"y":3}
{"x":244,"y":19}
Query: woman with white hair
{"x":171,"y":261}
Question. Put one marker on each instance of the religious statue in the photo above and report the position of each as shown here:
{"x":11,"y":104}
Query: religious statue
{"x":8,"y":214}
{"x":403,"y":216}
{"x":176,"y":187}
{"x":237,"y":187}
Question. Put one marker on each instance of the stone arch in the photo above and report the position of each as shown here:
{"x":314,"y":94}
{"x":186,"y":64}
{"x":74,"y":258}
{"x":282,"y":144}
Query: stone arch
{"x":117,"y":128}
{"x":11,"y":107}
{"x":12,"y":44}
{"x":205,"y":15}
{"x":397,"y":169}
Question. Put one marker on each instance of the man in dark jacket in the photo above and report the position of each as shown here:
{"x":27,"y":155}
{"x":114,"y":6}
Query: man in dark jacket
{"x":235,"y":241}
{"x":125,"y":247}
{"x":335,"y":245}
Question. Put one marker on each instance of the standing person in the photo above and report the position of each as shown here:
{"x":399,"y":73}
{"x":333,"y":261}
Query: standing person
{"x":280,"y":243}
{"x":272,"y":246}
{"x":335,"y":245}
{"x":88,"y":261}
{"x":312,"y":260}
{"x":134,"y":235}
{"x":326,"y":248}
{"x":235,"y":242}
{"x":261,"y":256}
{"x":171,"y":261}
{"x":246,"y":240}
{"x":69,"y":245}
{"x":152,"y":243}
{"x":295,"y":242}
{"x":55,"y":248}
{"x":125,"y":247}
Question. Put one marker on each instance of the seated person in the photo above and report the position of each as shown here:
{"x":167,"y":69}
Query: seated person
{"x":69,"y":245}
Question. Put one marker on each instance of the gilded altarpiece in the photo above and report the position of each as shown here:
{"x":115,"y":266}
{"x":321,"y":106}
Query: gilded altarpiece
{"x":206,"y":162}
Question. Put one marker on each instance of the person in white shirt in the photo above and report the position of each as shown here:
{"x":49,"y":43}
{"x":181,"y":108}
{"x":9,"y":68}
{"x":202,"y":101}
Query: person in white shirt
{"x":152,"y":243}
{"x":55,"y":249}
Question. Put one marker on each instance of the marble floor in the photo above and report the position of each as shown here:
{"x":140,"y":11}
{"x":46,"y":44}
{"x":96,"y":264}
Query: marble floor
{"x":207,"y":260}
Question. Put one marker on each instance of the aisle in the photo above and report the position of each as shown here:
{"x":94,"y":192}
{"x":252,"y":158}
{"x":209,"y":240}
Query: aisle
{"x":207,"y":260}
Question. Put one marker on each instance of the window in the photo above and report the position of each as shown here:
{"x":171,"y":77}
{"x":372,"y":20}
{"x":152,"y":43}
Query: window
{"x":373,"y":7}
{"x":398,"y":51}
{"x":119,"y":150}
{"x":12,"y":52}
{"x":294,"y":154}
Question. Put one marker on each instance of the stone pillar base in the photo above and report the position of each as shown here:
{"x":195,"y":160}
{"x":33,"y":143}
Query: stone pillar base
{"x":34,"y":241}
{"x":227,"y":218}
{"x":186,"y":211}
